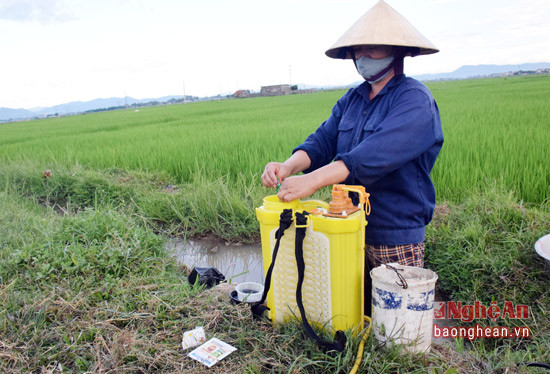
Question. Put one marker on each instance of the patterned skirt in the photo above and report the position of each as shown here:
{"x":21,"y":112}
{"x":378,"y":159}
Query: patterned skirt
{"x":409,"y":254}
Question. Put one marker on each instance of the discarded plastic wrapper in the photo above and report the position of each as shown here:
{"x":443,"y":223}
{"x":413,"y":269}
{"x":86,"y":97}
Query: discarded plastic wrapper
{"x":211,"y":352}
{"x":209,"y":276}
{"x":192,"y":338}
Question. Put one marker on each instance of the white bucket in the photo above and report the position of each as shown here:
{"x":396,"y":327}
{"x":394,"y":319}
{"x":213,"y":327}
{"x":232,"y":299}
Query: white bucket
{"x":403,"y":315}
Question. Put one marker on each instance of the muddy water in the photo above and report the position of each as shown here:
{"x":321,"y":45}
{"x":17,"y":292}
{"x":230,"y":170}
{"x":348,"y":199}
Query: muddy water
{"x":241,"y":263}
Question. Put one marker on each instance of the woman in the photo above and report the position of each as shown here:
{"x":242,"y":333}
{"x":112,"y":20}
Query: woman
{"x":384,"y":134}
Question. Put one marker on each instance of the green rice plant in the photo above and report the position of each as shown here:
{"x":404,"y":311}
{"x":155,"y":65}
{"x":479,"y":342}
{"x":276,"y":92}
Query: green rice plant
{"x":495,"y":129}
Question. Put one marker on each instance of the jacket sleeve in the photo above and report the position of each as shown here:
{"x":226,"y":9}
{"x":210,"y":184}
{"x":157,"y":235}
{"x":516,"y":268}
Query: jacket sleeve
{"x":408,"y":130}
{"x":321,"y":145}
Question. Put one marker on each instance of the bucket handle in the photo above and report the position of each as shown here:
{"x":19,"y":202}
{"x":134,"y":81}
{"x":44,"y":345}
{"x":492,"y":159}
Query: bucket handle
{"x":403,"y":281}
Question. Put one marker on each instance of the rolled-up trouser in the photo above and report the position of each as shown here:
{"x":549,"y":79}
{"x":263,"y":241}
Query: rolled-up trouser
{"x":376,"y":255}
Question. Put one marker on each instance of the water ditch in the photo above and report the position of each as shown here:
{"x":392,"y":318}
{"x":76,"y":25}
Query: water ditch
{"x":239,"y":263}
{"x":244,"y":263}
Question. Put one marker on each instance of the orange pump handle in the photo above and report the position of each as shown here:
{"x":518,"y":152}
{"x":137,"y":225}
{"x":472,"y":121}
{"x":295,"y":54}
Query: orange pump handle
{"x":363,"y":195}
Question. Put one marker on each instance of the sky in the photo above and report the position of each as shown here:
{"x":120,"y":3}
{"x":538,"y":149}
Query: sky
{"x":57,"y":51}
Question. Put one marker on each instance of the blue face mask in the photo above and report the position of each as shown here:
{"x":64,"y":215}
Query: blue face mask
{"x":370,"y":69}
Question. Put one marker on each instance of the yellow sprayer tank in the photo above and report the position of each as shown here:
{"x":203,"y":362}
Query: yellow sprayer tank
{"x":334,"y":261}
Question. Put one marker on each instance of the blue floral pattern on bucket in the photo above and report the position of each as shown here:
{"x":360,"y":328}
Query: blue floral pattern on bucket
{"x":386,"y":299}
{"x":421,"y":302}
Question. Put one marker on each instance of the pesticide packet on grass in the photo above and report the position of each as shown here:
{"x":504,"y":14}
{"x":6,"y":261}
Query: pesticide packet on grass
{"x":192,"y":338}
{"x":211,"y":352}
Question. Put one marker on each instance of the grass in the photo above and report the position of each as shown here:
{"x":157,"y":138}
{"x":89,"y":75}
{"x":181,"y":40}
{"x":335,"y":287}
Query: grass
{"x":202,"y":206}
{"x":482,"y":250}
{"x":491,"y":234}
{"x":86,"y":285}
{"x":95,"y":292}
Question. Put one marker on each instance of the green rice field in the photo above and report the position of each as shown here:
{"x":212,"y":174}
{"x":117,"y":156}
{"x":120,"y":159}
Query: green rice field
{"x":496,"y":131}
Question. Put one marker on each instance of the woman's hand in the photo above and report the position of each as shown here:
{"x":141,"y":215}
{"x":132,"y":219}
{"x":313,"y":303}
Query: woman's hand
{"x":296,"y":187}
{"x":272,"y":171}
{"x":299,"y":186}
{"x":299,"y":161}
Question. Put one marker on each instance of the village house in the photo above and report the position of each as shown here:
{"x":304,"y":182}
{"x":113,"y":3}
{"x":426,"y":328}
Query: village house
{"x":279,"y":89}
{"x":241,"y":93}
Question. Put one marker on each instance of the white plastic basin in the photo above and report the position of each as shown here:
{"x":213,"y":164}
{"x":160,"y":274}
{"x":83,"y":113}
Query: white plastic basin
{"x":542,"y":246}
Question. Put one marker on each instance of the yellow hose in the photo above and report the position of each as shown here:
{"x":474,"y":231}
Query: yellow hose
{"x":361,"y":347}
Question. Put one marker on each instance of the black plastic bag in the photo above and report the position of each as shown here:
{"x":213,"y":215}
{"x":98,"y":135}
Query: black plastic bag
{"x":209,"y":276}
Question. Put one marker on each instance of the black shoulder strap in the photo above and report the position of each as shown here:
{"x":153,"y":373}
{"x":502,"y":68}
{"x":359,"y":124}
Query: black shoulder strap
{"x":285,"y":221}
{"x":259,"y":308}
{"x":339,"y":342}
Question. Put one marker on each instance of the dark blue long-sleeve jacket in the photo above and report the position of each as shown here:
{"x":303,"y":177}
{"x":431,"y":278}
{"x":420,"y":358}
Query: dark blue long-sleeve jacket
{"x":389,"y":144}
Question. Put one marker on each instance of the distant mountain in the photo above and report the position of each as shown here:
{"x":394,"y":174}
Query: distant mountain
{"x":475,"y":71}
{"x":79,"y":106}
{"x":464,"y":72}
{"x":7,"y":114}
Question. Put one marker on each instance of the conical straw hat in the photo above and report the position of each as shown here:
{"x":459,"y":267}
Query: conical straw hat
{"x":381,"y":25}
